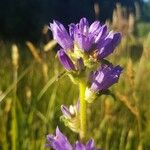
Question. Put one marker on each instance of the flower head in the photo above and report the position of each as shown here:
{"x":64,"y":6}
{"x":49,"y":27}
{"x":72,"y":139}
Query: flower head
{"x":106,"y":76}
{"x":94,"y":38}
{"x":89,"y":145}
{"x":60,"y":142}
{"x":90,"y":42}
{"x":102,"y":79}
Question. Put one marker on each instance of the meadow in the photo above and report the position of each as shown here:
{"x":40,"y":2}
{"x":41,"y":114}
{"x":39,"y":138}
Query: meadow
{"x":33,"y":86}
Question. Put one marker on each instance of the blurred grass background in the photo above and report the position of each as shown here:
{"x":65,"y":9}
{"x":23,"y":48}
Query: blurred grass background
{"x":33,"y":87}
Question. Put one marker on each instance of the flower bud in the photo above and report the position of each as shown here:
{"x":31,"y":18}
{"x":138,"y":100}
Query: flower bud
{"x":71,"y":117}
{"x":65,"y":60}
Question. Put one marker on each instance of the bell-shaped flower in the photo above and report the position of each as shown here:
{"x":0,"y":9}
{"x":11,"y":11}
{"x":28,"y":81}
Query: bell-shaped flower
{"x":90,"y":42}
{"x":61,"y":35}
{"x":102,"y":79}
{"x":106,"y":76}
{"x":89,"y":145}
{"x":60,"y":142}
{"x":107,"y":45}
{"x":65,"y":60}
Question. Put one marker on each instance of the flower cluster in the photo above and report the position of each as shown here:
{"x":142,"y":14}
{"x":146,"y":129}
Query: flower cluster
{"x":94,"y":40}
{"x":60,"y":142}
{"x":85,"y":46}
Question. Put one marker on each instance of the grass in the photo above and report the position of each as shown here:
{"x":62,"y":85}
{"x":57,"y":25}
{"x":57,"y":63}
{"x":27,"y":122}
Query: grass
{"x":31,"y":93}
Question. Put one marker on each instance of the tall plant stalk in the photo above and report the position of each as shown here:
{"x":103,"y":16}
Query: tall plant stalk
{"x":14,"y":129}
{"x":83,"y":117}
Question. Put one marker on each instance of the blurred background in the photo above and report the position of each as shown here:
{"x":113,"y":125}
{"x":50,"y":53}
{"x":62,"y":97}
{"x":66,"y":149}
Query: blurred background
{"x":32,"y":87}
{"x":25,"y":19}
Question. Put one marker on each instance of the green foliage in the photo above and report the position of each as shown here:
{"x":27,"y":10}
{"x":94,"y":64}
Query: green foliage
{"x":143,"y":29}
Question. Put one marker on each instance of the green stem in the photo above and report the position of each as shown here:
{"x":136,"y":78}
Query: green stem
{"x":83,"y":125}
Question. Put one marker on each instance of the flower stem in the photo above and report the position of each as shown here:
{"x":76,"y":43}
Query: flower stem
{"x":83,"y":128}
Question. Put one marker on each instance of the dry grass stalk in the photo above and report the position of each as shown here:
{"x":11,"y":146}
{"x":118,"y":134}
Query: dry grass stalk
{"x":122,"y":21}
{"x":50,"y":45}
{"x":97,"y":10}
{"x":45,"y":71}
{"x":130,"y":73}
{"x":127,"y":103}
{"x":34,"y":51}
{"x":15,"y":55}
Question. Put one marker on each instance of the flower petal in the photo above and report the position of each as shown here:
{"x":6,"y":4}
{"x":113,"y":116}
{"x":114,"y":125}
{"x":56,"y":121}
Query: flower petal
{"x":101,"y":34}
{"x":58,"y":142}
{"x":107,"y":75}
{"x":108,"y":45}
{"x":84,"y":42}
{"x":66,"y":111}
{"x":90,"y":145}
{"x":72,"y":29}
{"x":83,"y":26}
{"x":94,"y":27}
{"x":79,"y":146}
{"x":65,"y":60}
{"x":61,"y":35}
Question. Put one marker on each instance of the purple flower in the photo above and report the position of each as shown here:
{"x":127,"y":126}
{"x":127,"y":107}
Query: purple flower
{"x":89,"y":145}
{"x":65,"y":60}
{"x":60,"y":142}
{"x":92,"y":39}
{"x":107,"y":45}
{"x":106,"y":76}
{"x":61,"y":35}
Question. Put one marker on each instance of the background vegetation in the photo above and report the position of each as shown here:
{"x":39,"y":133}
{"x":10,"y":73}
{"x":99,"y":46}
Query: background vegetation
{"x":32,"y":89}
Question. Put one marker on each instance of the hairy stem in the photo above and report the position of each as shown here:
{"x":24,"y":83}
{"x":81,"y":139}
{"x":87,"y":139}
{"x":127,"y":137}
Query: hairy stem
{"x":83,"y":123}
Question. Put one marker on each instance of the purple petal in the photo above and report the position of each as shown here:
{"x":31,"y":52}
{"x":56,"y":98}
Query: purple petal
{"x":116,"y":39}
{"x":65,"y":111}
{"x":72,"y":29}
{"x":84,"y":42}
{"x":61,"y":35}
{"x":65,"y":60}
{"x":50,"y":138}
{"x":79,"y":146}
{"x":102,"y":33}
{"x":94,"y":27}
{"x":90,"y":145}
{"x":56,"y":145}
{"x":106,"y":76}
{"x":83,"y":26}
{"x":108,"y":45}
{"x":81,"y":36}
{"x":58,"y":142}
